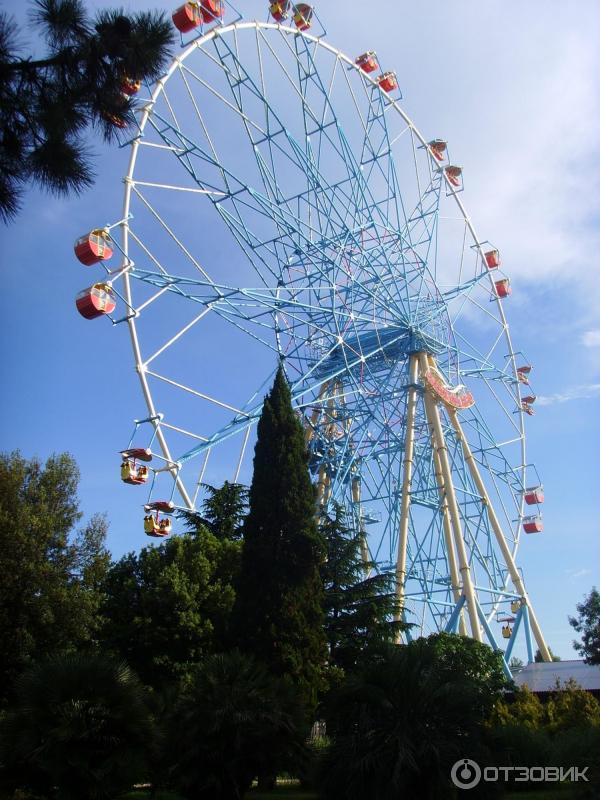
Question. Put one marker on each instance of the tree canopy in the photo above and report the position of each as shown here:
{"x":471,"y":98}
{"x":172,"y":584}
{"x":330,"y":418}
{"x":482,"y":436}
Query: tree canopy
{"x":278,"y":611}
{"x":222,"y":511}
{"x":50,"y":592}
{"x":587,"y":623}
{"x":79,"y":729}
{"x":169,"y":606}
{"x":48,"y":103}
{"x":359,"y":607}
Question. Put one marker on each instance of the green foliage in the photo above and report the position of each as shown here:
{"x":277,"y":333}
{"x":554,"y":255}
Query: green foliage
{"x":515,"y":664}
{"x":519,"y":745}
{"x":570,"y":707}
{"x":580,"y":747}
{"x":587,"y":623}
{"x":358,"y":609}
{"x":538,"y":658}
{"x":477,"y":663}
{"x":233,"y":721}
{"x":169,"y":606}
{"x":523,"y":709}
{"x":398,"y":726}
{"x":278,"y":611}
{"x":46,"y":105}
{"x":50,"y":591}
{"x":79,"y":729}
{"x":223,"y":511}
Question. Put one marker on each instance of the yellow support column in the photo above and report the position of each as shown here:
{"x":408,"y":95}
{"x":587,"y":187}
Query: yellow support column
{"x":407,"y":470}
{"x":364,"y":550}
{"x":454,"y":578}
{"x":497,"y":528}
{"x":435,"y":424}
{"x":310,"y":431}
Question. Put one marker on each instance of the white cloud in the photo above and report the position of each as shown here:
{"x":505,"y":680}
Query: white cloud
{"x":591,"y":338}
{"x":576,"y":393}
{"x":578,"y":573}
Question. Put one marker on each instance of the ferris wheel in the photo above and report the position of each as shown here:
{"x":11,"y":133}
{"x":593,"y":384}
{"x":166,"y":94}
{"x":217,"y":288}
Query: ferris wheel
{"x":281,"y":207}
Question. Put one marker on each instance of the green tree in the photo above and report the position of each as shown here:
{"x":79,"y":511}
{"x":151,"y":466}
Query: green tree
{"x":525,"y":708}
{"x":233,"y":721}
{"x":516,"y":664}
{"x":399,"y":726}
{"x":570,"y":706}
{"x":169,"y":606}
{"x":359,"y":610}
{"x":50,"y":592}
{"x":78,"y":729}
{"x":278,"y":611}
{"x":587,"y":623}
{"x":481,"y":666}
{"x":46,"y":104}
{"x":222,"y":512}
{"x":538,"y":658}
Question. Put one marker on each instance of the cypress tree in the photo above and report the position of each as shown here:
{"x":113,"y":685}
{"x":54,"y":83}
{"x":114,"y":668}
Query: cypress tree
{"x":278,"y":611}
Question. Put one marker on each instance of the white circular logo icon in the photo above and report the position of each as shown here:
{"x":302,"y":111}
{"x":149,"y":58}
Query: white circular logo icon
{"x":465,"y":774}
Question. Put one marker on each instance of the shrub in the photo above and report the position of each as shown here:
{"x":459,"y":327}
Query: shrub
{"x":79,"y":729}
{"x":233,"y":722}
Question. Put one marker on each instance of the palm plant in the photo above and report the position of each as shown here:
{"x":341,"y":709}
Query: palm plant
{"x":78,"y":729}
{"x":233,"y":721}
{"x":398,"y":727}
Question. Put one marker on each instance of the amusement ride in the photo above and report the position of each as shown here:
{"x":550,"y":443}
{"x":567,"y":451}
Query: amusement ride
{"x":281,"y":207}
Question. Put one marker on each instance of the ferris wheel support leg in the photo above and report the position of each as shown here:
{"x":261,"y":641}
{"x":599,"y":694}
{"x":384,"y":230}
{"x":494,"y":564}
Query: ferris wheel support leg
{"x":407,"y":468}
{"x":507,"y":555}
{"x":435,"y":424}
{"x":310,"y":430}
{"x":364,"y":550}
{"x":527,"y":618}
{"x":321,"y":486}
{"x":454,"y":578}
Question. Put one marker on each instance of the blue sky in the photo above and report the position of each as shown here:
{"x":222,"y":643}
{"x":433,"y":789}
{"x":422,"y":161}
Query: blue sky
{"x":515,"y":88}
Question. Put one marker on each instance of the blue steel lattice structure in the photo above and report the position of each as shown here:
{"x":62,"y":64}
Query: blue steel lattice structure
{"x":347,"y":254}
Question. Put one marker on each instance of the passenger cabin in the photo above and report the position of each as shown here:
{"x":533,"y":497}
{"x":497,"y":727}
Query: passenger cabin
{"x":133,"y":473}
{"x":492,"y":259}
{"x":533,"y":495}
{"x":166,"y":506}
{"x":437,"y":148}
{"x":503,"y":287}
{"x":129,"y":86}
{"x":515,"y":606}
{"x":454,"y":175}
{"x":303,"y":15}
{"x":367,"y":61}
{"x":523,"y":373}
{"x":137,"y":453}
{"x":388,"y":81}
{"x":156,"y":527}
{"x":115,"y":120}
{"x":187,"y":17}
{"x":527,"y":409}
{"x":506,"y":631}
{"x":93,"y":247}
{"x":212,"y":10}
{"x":279,"y":10}
{"x":529,"y":399}
{"x":96,"y":300}
{"x":533,"y":524}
